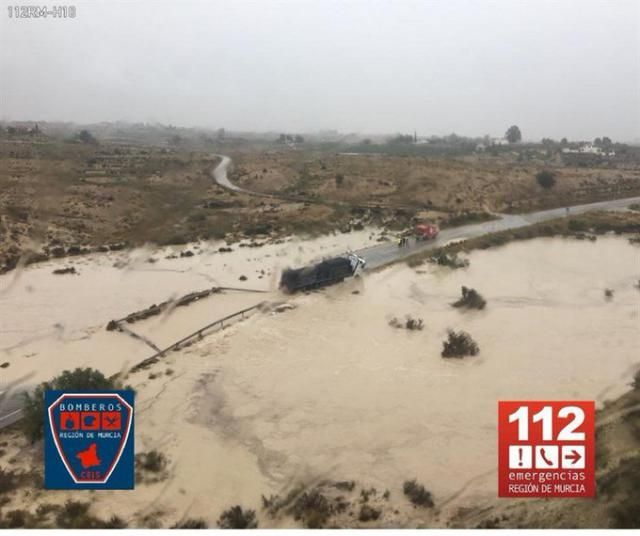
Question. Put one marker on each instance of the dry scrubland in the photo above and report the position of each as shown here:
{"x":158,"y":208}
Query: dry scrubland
{"x":450,"y":185}
{"x":62,"y":197}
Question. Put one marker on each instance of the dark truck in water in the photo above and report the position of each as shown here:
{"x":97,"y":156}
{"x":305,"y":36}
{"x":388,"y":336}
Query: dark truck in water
{"x":325,"y":273}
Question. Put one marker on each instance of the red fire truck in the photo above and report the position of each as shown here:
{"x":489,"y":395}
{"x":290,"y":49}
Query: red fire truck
{"x":426,"y":231}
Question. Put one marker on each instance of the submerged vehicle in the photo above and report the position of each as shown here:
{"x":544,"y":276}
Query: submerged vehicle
{"x":327,"y":272}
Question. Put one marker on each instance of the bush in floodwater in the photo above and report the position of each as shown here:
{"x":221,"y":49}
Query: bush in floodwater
{"x":152,"y":461}
{"x":412,"y":324}
{"x":417,"y":493}
{"x":86,"y":379}
{"x":471,"y":299}
{"x":449,"y":259}
{"x":459,"y":344}
{"x":237,"y":518}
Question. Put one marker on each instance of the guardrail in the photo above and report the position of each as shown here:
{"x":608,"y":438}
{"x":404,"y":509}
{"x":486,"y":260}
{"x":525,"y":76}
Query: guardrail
{"x":199,"y":334}
{"x":154,"y":309}
{"x":17,"y":414}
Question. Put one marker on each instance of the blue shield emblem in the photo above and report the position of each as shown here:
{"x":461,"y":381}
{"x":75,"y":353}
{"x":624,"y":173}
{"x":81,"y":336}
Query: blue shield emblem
{"x":89,"y":440}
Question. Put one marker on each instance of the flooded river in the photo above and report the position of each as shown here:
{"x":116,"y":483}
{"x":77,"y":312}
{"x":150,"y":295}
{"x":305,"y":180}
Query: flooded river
{"x":330,"y":390}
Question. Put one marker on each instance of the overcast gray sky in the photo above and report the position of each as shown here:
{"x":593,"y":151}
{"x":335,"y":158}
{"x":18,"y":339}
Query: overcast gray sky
{"x":561,"y":68}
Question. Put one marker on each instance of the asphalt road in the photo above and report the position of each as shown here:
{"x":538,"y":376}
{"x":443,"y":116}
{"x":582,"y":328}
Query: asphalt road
{"x":384,"y":253}
{"x":389,"y":252}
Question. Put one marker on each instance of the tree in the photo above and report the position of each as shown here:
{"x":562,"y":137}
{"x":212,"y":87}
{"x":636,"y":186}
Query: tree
{"x":299,"y":139}
{"x":238,"y":518}
{"x":513,"y":134}
{"x":606,"y":142}
{"x":86,"y":379}
{"x":86,"y":137}
{"x":546,"y":179}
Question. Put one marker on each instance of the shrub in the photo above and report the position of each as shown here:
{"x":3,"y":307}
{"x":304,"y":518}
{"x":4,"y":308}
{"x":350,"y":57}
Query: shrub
{"x":345,"y":485}
{"x":191,"y":523}
{"x":312,"y":508}
{"x":577,"y":226}
{"x":636,"y":381}
{"x":412,"y":324}
{"x":546,"y":179}
{"x":8,"y":481}
{"x":622,"y":488}
{"x":75,"y":515}
{"x":471,"y":299}
{"x":626,"y":514}
{"x":417,"y":494}
{"x":366,"y":493}
{"x":237,"y":518}
{"x":459,"y":345}
{"x":86,"y":379}
{"x":45,"y":509}
{"x":16,"y":519}
{"x":152,"y":461}
{"x":368,"y":513}
{"x":449,"y":259}
{"x":114,"y":522}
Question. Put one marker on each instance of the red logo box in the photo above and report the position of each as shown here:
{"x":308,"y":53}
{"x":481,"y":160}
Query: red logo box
{"x":546,"y":448}
{"x":111,"y":420}
{"x":90,"y":420}
{"x":69,"y":420}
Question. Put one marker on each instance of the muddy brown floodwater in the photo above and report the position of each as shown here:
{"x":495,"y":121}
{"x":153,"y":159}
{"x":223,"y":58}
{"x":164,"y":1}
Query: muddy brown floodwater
{"x":330,"y":390}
